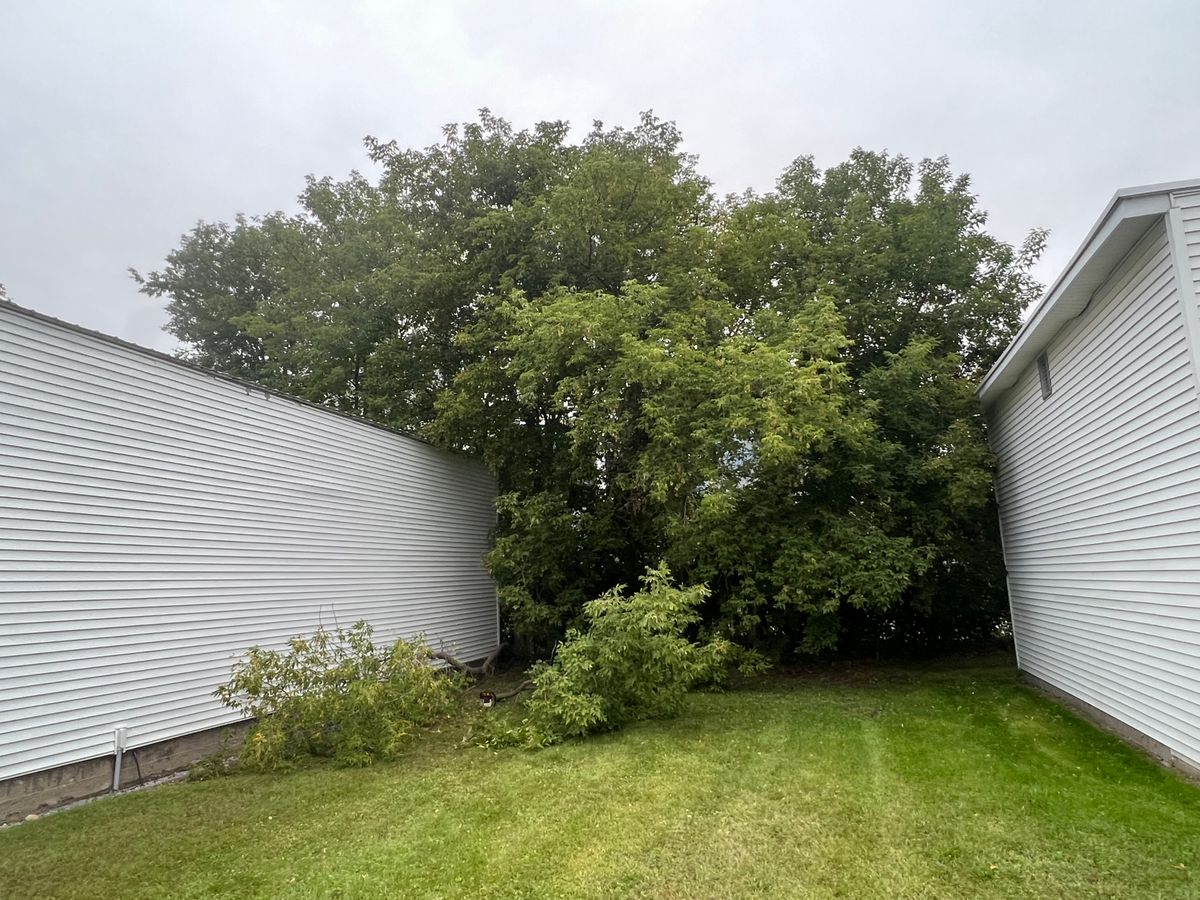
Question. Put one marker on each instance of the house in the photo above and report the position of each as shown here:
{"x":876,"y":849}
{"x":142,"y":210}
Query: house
{"x":157,"y":519}
{"x":1093,"y":412}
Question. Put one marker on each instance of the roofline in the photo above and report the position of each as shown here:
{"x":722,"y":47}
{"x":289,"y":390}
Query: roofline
{"x":1125,"y":218}
{"x":9,"y":305}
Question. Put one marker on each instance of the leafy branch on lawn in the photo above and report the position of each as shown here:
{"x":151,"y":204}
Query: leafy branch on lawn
{"x":632,"y":661}
{"x":337,"y":694}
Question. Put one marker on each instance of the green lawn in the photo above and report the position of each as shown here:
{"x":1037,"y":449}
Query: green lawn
{"x":855,"y":782}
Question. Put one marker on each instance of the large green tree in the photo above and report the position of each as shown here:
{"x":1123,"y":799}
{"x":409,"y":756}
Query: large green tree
{"x":772,"y":393}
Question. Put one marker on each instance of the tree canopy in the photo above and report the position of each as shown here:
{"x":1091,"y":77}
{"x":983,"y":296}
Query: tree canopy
{"x":770,"y":393}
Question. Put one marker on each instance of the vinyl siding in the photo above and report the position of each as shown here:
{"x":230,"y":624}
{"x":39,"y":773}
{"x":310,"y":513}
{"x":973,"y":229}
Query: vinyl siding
{"x":1189,"y":205}
{"x":156,"y":521}
{"x":1099,"y":489}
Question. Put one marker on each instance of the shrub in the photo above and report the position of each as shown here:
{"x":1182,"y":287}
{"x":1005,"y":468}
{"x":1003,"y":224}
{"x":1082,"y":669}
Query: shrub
{"x":336,"y":694}
{"x":633,"y":661}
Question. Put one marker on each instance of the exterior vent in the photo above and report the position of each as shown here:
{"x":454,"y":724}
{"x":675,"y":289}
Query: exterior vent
{"x":1043,"y":365}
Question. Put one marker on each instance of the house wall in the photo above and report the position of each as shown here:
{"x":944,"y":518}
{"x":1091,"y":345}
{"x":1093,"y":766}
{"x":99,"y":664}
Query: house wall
{"x":1188,"y":215}
{"x":1099,"y":487}
{"x":156,"y":521}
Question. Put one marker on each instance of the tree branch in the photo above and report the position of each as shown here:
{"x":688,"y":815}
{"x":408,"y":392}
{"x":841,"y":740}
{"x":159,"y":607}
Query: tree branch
{"x":508,"y":695}
{"x":487,"y":667}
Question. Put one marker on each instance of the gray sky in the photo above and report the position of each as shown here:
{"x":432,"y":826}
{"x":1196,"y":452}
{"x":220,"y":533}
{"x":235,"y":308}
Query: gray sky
{"x":122,"y":124}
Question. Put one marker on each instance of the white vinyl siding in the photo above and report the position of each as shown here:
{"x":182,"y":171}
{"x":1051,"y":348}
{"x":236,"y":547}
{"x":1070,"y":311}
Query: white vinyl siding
{"x":1189,"y":205}
{"x":1099,"y":488}
{"x":156,"y":521}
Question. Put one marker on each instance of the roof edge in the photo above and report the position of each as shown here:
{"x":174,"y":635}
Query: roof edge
{"x":1124,"y":220}
{"x":6,"y":304}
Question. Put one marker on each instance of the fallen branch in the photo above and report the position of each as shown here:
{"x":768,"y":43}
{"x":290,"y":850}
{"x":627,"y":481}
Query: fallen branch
{"x":487,"y":667}
{"x":490,"y":698}
{"x":508,"y":695}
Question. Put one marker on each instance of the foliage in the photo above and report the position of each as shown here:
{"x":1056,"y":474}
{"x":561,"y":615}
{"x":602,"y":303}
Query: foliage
{"x":773,"y":393}
{"x":632,"y":661}
{"x":651,"y":403}
{"x":336,"y":694}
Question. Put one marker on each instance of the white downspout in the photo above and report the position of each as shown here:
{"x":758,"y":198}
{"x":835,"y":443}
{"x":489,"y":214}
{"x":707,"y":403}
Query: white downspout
{"x":120,"y":736}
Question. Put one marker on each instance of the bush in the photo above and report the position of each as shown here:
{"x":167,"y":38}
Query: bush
{"x":337,"y":695}
{"x":633,"y":661}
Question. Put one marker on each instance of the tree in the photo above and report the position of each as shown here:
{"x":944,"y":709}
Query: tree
{"x":611,"y":417}
{"x":355,"y":301}
{"x":219,"y":274}
{"x":773,"y":394}
{"x":897,"y":538}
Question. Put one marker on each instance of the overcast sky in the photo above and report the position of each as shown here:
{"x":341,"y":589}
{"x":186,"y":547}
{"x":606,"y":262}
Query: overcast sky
{"x":122,"y":124}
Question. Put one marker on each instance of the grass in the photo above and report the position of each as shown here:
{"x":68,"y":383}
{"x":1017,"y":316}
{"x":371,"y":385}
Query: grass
{"x":855,"y":782}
